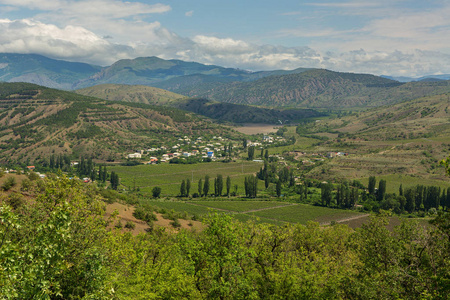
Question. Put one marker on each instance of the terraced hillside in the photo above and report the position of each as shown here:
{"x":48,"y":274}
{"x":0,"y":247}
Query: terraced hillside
{"x":36,"y":121}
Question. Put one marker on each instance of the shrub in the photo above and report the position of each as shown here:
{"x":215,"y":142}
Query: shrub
{"x":175,"y":223}
{"x":9,"y":183}
{"x":156,"y":192}
{"x":26,"y":185}
{"x":15,"y":200}
{"x":119,"y":225}
{"x":130,"y":225}
{"x":33,"y":176}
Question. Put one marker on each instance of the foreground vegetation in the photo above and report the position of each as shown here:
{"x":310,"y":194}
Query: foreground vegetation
{"x":58,"y":246}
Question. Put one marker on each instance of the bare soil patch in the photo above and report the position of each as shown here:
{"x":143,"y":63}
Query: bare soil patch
{"x":256,"y":128}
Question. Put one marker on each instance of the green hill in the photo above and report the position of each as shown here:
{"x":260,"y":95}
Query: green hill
{"x":321,"y":89}
{"x":36,"y":121}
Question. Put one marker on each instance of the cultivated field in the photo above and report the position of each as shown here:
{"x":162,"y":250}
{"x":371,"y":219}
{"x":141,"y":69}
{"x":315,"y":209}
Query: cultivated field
{"x":169,"y":176}
{"x":273,"y":212}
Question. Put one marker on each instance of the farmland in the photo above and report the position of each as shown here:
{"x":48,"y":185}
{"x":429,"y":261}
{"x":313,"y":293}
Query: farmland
{"x":169,"y":176}
{"x":273,"y":212}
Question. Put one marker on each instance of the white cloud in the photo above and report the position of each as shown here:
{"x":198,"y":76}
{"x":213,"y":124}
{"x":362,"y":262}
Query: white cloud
{"x":76,"y":43}
{"x":189,"y":13}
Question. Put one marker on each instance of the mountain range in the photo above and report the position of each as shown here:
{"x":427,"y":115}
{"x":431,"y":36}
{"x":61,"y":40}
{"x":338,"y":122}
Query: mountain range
{"x":299,"y":88}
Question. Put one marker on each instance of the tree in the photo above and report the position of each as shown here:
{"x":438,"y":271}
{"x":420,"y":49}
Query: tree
{"x":183,"y":189}
{"x":200,"y":187}
{"x":251,"y":152}
{"x":188,"y":187}
{"x":244,"y":143}
{"x":156,"y":192}
{"x":251,"y":186}
{"x":114,"y":180}
{"x":326,"y":193}
{"x":372,"y":184}
{"x":381,"y":190}
{"x":206,"y":186}
{"x":228,"y":186}
{"x":278,"y":188}
{"x":219,"y":185}
{"x":266,"y":155}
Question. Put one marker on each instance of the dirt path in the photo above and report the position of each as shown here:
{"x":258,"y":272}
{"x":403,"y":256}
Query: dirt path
{"x":346,"y":219}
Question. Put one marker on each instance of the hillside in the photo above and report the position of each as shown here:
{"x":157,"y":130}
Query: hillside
{"x":36,"y":121}
{"x":44,"y":71}
{"x":322,"y":89}
{"x":402,"y":142}
{"x":238,"y":113}
{"x":131,"y":93}
{"x":224,"y":112}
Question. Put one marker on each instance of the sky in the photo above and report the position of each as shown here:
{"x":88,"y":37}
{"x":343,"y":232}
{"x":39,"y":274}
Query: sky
{"x":382,"y":37}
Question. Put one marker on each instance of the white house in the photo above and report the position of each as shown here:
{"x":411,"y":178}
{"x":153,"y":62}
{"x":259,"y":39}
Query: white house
{"x":135,"y":155}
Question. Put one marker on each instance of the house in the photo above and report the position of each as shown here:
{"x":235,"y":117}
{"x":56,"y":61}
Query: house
{"x":210,"y":154}
{"x":331,"y":154}
{"x":135,"y":155}
{"x":30,"y":168}
{"x":186,"y":154}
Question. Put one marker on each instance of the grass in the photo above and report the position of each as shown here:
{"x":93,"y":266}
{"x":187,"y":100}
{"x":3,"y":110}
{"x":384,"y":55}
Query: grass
{"x":178,"y":206}
{"x":271,"y":213}
{"x":303,"y":213}
{"x":169,"y":176}
{"x":240,"y":206}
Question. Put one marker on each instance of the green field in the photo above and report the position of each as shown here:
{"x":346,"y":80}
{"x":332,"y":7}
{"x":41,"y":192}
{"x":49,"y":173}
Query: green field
{"x":241,"y":206}
{"x":169,"y":176}
{"x":273,"y":212}
{"x":302,"y":213}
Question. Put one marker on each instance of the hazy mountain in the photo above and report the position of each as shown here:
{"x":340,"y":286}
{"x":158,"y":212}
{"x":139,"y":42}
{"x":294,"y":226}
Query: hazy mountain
{"x":423,"y":78}
{"x":44,"y":71}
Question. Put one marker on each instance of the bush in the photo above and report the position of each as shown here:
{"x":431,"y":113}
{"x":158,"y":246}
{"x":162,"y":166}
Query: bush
{"x":33,"y":176}
{"x":15,"y":200}
{"x":130,"y":225}
{"x":156,"y":192}
{"x":119,"y":225}
{"x":9,"y":183}
{"x":175,"y":223}
{"x":26,"y":185}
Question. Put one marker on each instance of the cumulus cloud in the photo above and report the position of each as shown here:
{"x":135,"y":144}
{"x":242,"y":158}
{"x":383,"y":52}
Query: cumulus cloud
{"x":189,"y":13}
{"x":76,"y":43}
{"x":395,"y":44}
